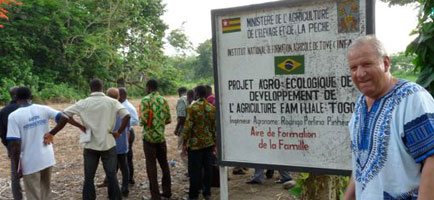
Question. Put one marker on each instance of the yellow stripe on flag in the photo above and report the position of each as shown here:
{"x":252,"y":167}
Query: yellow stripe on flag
{"x":230,"y":28}
{"x":236,"y":21}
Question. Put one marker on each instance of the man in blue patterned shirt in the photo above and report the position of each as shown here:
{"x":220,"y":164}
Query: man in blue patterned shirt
{"x":392,"y":130}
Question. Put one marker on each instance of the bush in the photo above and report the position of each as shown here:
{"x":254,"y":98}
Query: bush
{"x":58,"y":93}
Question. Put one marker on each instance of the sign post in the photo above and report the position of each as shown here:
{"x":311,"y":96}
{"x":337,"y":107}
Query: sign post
{"x":283,"y":87}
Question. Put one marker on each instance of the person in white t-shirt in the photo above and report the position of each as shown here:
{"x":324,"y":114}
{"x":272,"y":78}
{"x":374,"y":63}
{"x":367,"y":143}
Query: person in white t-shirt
{"x":30,"y":138}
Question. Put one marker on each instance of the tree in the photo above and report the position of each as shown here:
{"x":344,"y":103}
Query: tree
{"x":402,"y":63}
{"x":179,"y":40}
{"x":423,"y":47}
{"x":3,"y":11}
{"x":196,"y":68}
{"x":64,"y":43}
{"x":204,"y":65}
{"x":399,"y":2}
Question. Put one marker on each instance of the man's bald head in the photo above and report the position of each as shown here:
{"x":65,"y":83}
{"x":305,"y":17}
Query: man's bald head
{"x":113,"y":93}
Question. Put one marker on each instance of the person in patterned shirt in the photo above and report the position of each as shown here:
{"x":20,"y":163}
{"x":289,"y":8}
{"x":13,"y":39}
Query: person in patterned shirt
{"x":391,"y":129}
{"x":154,"y":116}
{"x":200,"y":139}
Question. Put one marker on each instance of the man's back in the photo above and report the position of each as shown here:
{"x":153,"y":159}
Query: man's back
{"x":29,"y":124}
{"x":134,"y":121}
{"x":4,"y":114}
{"x":98,"y":112}
{"x":155,"y":114}
{"x":181,"y":106}
{"x":199,"y":128}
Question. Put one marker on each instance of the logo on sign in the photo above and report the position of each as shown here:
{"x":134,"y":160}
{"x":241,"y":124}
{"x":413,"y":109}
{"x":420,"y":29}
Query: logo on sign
{"x":288,"y":65}
{"x":230,"y":25}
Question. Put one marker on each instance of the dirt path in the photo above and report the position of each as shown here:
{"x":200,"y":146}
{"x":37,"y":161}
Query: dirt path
{"x":67,"y":178}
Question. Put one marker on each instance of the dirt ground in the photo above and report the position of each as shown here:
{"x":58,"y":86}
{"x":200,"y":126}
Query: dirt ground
{"x":67,"y":178}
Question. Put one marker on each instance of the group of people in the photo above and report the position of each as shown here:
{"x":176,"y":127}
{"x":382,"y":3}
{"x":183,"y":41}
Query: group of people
{"x":196,"y":131}
{"x":107,"y":120}
{"x":391,"y":129}
{"x":25,"y":130}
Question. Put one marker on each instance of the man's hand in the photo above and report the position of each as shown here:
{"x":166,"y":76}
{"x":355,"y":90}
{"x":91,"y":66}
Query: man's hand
{"x":82,"y":128}
{"x":426,"y":187}
{"x":48,"y":139}
{"x":350,"y":193}
{"x":215,"y":151}
{"x":116,"y":134}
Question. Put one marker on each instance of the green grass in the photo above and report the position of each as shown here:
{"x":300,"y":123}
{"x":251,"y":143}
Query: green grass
{"x":407,"y":76}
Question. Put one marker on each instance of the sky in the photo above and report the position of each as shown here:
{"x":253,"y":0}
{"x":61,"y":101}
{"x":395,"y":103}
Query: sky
{"x":393,"y":24}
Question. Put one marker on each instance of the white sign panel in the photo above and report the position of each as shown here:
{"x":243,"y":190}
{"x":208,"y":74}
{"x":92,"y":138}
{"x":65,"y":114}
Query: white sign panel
{"x":284,"y":86}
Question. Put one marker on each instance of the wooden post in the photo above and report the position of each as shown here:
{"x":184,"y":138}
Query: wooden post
{"x":224,"y":194}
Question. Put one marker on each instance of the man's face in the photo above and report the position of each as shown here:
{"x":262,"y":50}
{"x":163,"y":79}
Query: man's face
{"x":122,"y":97}
{"x":368,"y":72}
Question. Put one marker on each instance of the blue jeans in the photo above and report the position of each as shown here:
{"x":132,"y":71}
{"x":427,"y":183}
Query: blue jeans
{"x":259,"y":175}
{"x":109,"y":162}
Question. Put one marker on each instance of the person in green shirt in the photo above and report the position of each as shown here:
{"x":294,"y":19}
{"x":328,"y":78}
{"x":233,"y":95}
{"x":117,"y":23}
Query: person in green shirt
{"x":154,"y":116}
{"x":200,"y":139}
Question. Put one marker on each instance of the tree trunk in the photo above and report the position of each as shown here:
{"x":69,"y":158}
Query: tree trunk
{"x":322,"y":187}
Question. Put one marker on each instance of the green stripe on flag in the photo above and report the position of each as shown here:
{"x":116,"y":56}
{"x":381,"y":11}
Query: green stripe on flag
{"x":231,"y":31}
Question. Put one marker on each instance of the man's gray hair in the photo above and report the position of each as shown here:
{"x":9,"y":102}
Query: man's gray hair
{"x":370,"y":39}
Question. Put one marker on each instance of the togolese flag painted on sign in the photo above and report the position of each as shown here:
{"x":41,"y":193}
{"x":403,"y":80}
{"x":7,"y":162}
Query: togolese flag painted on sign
{"x":231,"y":25}
{"x":288,"y":65}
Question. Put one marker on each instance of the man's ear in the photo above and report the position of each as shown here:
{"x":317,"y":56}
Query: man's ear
{"x":386,"y":62}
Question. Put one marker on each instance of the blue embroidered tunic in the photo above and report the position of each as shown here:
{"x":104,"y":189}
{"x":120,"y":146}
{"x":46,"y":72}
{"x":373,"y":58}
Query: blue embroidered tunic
{"x":390,"y":141}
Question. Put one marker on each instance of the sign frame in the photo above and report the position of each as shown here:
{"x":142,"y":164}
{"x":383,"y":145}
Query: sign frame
{"x":370,"y":29}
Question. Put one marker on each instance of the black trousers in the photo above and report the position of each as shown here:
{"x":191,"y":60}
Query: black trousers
{"x":130,"y":156}
{"x":122,"y":164}
{"x":198,"y":161}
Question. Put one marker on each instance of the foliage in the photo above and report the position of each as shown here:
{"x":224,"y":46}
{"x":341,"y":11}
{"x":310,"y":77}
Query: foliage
{"x":407,"y":76}
{"x":48,"y":43}
{"x":179,"y":40}
{"x":204,"y":66}
{"x":313,"y":186}
{"x":423,"y":47}
{"x":167,"y":78}
{"x":402,"y":62}
{"x":57,"y":46}
{"x":58,"y":93}
{"x":301,"y":185}
{"x":196,"y":69}
{"x":399,"y":2}
{"x":402,"y":66}
{"x":3,"y":11}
